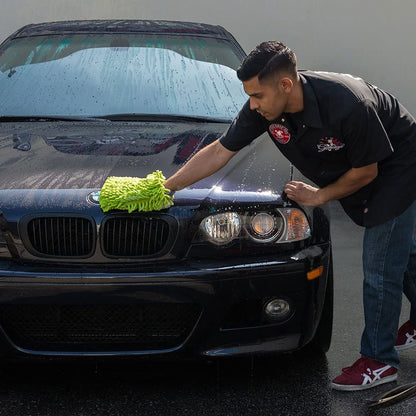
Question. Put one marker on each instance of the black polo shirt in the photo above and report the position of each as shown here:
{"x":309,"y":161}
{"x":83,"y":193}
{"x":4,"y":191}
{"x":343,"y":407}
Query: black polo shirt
{"x":346,"y":123}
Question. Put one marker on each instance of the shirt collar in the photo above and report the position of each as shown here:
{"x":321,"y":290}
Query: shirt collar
{"x":311,"y":115}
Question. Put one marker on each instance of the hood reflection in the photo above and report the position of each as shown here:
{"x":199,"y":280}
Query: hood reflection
{"x":77,"y":155}
{"x":187,"y":144}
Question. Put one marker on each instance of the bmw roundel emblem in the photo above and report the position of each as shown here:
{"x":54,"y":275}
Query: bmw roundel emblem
{"x":92,"y":197}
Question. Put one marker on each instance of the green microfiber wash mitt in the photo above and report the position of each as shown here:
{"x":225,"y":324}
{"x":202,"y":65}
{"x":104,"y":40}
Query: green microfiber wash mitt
{"x":135,"y":194}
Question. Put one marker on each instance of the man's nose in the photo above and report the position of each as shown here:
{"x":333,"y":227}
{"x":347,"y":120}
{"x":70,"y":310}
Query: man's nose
{"x":253,"y":104}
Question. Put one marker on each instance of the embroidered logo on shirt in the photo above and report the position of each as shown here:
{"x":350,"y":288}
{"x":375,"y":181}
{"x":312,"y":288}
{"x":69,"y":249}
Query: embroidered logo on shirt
{"x":328,"y":144}
{"x":280,"y":133}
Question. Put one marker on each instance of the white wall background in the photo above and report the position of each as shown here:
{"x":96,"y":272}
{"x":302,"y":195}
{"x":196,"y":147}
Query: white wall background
{"x":374,"y":39}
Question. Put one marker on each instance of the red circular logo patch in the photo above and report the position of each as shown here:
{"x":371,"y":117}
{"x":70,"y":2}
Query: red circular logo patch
{"x":280,"y":133}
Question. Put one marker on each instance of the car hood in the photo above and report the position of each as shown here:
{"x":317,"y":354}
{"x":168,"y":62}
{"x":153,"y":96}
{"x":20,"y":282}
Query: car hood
{"x":79,"y":156}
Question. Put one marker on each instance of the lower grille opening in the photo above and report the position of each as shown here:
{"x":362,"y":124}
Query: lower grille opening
{"x":88,"y":328}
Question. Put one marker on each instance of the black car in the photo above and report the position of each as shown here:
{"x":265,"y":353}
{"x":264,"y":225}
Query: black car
{"x":233,"y":267}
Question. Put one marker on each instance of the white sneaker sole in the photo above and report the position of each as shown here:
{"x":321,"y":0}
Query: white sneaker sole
{"x":405,"y":346}
{"x":347,"y":387}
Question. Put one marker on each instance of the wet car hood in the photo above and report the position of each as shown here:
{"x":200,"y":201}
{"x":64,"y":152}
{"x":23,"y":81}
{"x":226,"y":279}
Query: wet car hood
{"x":76,"y":156}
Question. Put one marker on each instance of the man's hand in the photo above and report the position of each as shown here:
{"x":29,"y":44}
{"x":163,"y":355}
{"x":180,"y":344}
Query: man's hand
{"x":350,"y":182}
{"x":303,"y":194}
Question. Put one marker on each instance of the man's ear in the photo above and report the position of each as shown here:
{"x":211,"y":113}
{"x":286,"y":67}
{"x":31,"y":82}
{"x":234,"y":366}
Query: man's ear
{"x":285,"y":84}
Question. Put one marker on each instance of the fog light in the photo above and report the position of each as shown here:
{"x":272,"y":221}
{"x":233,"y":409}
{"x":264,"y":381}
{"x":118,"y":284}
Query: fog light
{"x":277,"y":309}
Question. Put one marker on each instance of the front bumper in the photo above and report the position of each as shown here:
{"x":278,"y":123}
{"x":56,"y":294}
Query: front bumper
{"x":202,"y":308}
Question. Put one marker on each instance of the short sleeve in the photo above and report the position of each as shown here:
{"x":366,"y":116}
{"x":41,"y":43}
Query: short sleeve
{"x":246,"y":127}
{"x":366,"y":139}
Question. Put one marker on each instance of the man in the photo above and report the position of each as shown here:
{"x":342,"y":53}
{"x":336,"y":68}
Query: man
{"x":358,"y":144}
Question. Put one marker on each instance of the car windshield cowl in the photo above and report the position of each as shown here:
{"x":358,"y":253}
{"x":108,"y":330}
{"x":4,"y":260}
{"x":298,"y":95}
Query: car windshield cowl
{"x":164,"y":117}
{"x":118,"y":117}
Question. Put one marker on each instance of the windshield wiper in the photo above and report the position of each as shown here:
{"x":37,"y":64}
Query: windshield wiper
{"x":164,"y":117}
{"x":51,"y":118}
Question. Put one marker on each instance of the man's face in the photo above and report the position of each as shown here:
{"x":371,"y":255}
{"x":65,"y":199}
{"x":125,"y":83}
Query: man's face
{"x":267,"y":97}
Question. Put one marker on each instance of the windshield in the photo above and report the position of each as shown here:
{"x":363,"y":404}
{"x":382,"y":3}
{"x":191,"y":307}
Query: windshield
{"x":101,"y":75}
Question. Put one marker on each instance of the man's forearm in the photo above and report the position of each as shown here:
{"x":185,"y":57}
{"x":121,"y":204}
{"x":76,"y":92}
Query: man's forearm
{"x":347,"y":184}
{"x":203,"y":164}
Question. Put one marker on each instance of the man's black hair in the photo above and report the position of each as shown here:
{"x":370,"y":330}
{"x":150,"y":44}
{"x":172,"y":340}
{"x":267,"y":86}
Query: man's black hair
{"x":267,"y":59}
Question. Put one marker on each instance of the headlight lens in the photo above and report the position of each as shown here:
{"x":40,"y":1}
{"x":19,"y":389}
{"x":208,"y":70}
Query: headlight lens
{"x":266,"y":227}
{"x":222,"y":228}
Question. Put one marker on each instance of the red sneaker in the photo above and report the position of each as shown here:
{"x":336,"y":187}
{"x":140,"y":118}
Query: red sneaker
{"x":406,"y":336}
{"x":364,"y":374}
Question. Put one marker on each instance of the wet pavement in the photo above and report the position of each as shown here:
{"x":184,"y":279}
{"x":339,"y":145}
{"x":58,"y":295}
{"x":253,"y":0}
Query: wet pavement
{"x":290,"y":384}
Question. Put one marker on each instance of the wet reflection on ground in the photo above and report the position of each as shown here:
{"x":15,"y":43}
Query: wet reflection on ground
{"x":293,"y":384}
{"x":286,"y":384}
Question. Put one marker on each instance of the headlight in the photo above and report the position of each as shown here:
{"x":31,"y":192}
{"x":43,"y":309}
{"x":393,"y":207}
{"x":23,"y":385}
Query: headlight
{"x":222,"y":228}
{"x":266,"y":227}
{"x":280,"y":225}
